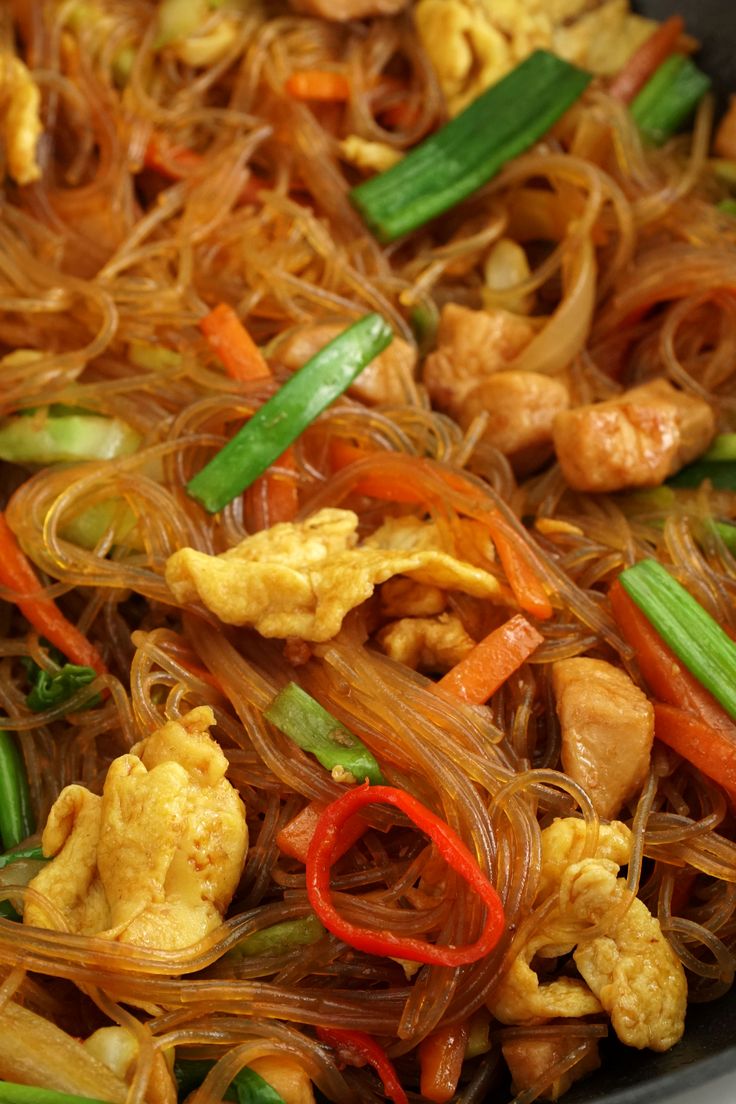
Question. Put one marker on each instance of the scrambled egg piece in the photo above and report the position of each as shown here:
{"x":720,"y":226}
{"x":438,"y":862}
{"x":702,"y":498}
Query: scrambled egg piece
{"x":301,"y":578}
{"x":628,"y":968}
{"x":473,"y":43}
{"x":20,"y":106}
{"x":154,"y":861}
{"x":369,"y":156}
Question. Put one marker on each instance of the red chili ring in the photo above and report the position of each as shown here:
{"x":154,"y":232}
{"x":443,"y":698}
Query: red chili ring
{"x":321,"y":856}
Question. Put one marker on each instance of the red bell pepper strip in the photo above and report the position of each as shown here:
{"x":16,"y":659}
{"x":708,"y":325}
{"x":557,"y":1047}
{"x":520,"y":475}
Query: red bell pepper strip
{"x":355,"y":1048}
{"x":321,"y":855}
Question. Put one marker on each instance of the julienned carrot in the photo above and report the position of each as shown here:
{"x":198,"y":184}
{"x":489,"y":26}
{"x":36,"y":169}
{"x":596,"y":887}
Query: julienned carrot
{"x":491,"y":662}
{"x":644,"y":61}
{"x":274,"y":498}
{"x":177,"y":162}
{"x":667,"y":678}
{"x":318,"y":84}
{"x":295,"y":837}
{"x":232,"y":344}
{"x":524,"y":580}
{"x":711,"y":751}
{"x":521,"y":573}
{"x":18,"y":576}
{"x":441,"y":1057}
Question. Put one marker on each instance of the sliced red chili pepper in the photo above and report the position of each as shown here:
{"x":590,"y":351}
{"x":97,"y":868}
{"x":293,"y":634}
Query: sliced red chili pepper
{"x":355,"y":1048}
{"x":322,"y":853}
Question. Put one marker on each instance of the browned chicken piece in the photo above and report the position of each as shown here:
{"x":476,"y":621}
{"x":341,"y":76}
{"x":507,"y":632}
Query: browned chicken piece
{"x":607,"y":730}
{"x":471,"y":345}
{"x":341,"y":10}
{"x":521,"y":408}
{"x":386,"y":380}
{"x":530,"y":1059}
{"x":635,"y":440}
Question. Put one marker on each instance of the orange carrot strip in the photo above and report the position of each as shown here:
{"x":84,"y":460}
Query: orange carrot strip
{"x":643,"y":62}
{"x":666,"y":676}
{"x":318,"y":84}
{"x":274,"y":498}
{"x":17,"y":575}
{"x":295,"y":837}
{"x":172,"y":161}
{"x":478,"y":676}
{"x":441,"y":1057}
{"x":523,"y":579}
{"x":231,"y":342}
{"x":711,"y":751}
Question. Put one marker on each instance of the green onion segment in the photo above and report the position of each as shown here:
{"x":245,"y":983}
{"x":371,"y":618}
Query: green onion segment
{"x":280,"y":938}
{"x":464,"y":154}
{"x":247,"y":1087}
{"x":50,"y":690}
{"x":669,"y":98}
{"x":35,"y":853}
{"x":692,"y":634}
{"x":16,"y":818}
{"x":31,"y":1094}
{"x":313,"y":729}
{"x":288,"y":413}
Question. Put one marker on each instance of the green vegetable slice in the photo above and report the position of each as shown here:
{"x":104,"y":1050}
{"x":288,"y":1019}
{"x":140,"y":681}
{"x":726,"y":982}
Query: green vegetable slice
{"x":31,"y":1094}
{"x":288,"y":413}
{"x":51,"y":690}
{"x":16,"y":818}
{"x":669,"y":98}
{"x":692,"y":634}
{"x":280,"y":938}
{"x":47,"y":437}
{"x":35,"y":853}
{"x":448,"y":166}
{"x":313,"y":729}
{"x":247,"y":1087}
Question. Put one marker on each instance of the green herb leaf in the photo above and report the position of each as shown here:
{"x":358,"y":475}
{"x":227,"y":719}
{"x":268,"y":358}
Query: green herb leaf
{"x":52,"y":690}
{"x":247,"y":1087}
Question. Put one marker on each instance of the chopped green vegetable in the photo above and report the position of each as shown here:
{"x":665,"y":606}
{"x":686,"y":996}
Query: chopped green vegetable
{"x":9,"y":857}
{"x":280,"y":937}
{"x":50,"y":690}
{"x":424,"y":320}
{"x":313,"y":729}
{"x":16,"y":818}
{"x":89,"y":526}
{"x":247,"y":1087}
{"x":31,"y":1094}
{"x":7,"y":912}
{"x":728,"y":207}
{"x":722,"y":475}
{"x":692,"y":634}
{"x":448,"y":166}
{"x":281,"y":420}
{"x":47,"y":437}
{"x":669,"y":98}
{"x":723,"y":448}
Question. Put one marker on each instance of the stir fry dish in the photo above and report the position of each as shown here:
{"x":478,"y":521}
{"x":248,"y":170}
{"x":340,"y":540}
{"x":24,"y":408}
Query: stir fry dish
{"x":367,"y":548}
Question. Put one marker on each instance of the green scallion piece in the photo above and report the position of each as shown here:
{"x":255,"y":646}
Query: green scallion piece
{"x":723,"y":448}
{"x":16,"y":818}
{"x":31,"y":1094}
{"x":448,"y":166}
{"x":728,"y":207}
{"x":313,"y":729}
{"x":721,"y":473}
{"x":692,"y":634}
{"x":669,"y":98}
{"x":280,"y":938}
{"x":288,"y":413}
{"x":35,"y":853}
{"x":51,"y":690}
{"x":726,"y":532}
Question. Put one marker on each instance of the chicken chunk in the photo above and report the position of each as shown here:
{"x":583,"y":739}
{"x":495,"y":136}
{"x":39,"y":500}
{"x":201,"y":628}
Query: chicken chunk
{"x":473,"y":43}
{"x":607,"y":727}
{"x":427,"y":643}
{"x":286,"y":1076}
{"x":530,"y":1059}
{"x":154,"y":861}
{"x":471,"y":346}
{"x":300,"y":579}
{"x":627,"y":966}
{"x":521,"y":409}
{"x":117,"y":1048}
{"x":20,"y":118}
{"x":635,"y":440}
{"x":386,"y":380}
{"x":341,"y":10}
